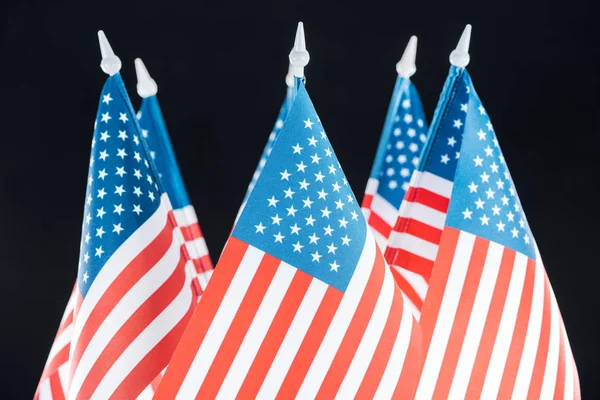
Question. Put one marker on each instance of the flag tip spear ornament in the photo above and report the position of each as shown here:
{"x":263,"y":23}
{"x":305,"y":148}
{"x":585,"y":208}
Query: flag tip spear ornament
{"x":406,"y":67}
{"x":110,"y":64}
{"x":146,"y":86}
{"x":299,"y":57}
{"x":289,"y":78}
{"x":460,"y":56}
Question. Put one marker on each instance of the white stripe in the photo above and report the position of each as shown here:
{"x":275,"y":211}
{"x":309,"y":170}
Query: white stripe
{"x":120,"y":259}
{"x":414,"y":245}
{"x":372,"y":185}
{"x":390,"y":377}
{"x":340,"y":322}
{"x":257,"y":331}
{"x":45,"y":391}
{"x":506,"y":329}
{"x":551,"y":370}
{"x":366,"y":212}
{"x":477,"y":321}
{"x":185,"y":216}
{"x":146,"y":394}
{"x":416,"y":281}
{"x":61,"y":341}
{"x":569,"y":372}
{"x":196,"y":248}
{"x":422,"y":213}
{"x":532,"y":338}
{"x":218,"y":328}
{"x":433,"y":183}
{"x":384,"y":209}
{"x":63,"y":375}
{"x":146,"y":341}
{"x":370,"y":340}
{"x":413,"y":307}
{"x":293,"y":339}
{"x":380,"y":239}
{"x":70,"y":304}
{"x":446,"y":314}
{"x":122,"y":311}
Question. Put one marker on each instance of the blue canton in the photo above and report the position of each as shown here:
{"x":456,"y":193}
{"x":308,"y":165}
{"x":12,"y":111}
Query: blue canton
{"x":302,"y":210}
{"x":442,"y":152}
{"x":484,"y":201}
{"x":401,"y":143}
{"x":154,"y":132}
{"x":122,"y":192}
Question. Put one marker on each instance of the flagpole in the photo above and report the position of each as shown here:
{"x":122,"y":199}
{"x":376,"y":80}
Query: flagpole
{"x":460,"y":55}
{"x":146,"y":86}
{"x":110,"y":64}
{"x":289,"y":81}
{"x":299,"y":58}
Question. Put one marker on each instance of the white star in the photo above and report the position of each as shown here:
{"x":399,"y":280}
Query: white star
{"x":339,"y":205}
{"x":481,"y":134}
{"x":308,"y":124}
{"x":522,"y":223}
{"x":105,"y":117}
{"x":494,"y":168}
{"x":121,"y":153}
{"x":393,"y":184}
{"x":86,"y":258}
{"x":328,"y":152}
{"x":350,"y":198}
{"x":120,"y":171}
{"x":310,"y":220}
{"x":297,"y":149}
{"x":458,"y":123}
{"x":401,"y":158}
{"x":479,"y":203}
{"x":464,"y":107}
{"x":279,"y":237}
{"x":89,"y":199}
{"x":517,"y":208}
{"x":315,"y":159}
{"x":489,"y":126}
{"x":316,"y":256}
{"x":314,"y":238}
{"x":473,"y":187}
{"x":490,"y":193}
{"x":515,"y":232}
{"x":273,"y":201}
{"x":390,"y":171}
{"x":301,"y":167}
{"x":319,"y":177}
{"x":451,"y":141}
{"x":495,"y":210}
{"x":285,"y":175}
{"x":288,"y":193}
{"x":106,"y":99}
{"x":276,"y":219}
{"x":334,"y":266}
{"x":500,"y":226}
{"x":291,"y":211}
{"x":137,"y":191}
{"x":506,"y":175}
{"x":151,"y":196}
{"x":298,"y":247}
{"x":102,"y":174}
{"x":307,"y":202}
{"x":445,"y":159}
{"x":100,"y":212}
{"x":336,"y":187}
{"x":399,"y":144}
{"x":481,"y":110}
{"x":101,"y":193}
{"x":457,"y":155}
{"x":123,"y":135}
{"x":331,"y":249}
{"x":510,"y":216}
{"x":489,"y":152}
{"x":467,"y":213}
{"x":99,"y":251}
{"x":295,"y":229}
{"x":119,"y":190}
{"x":504,"y":200}
{"x":500,"y":184}
{"x":408,"y":118}
{"x":332,"y":169}
{"x":117,"y":228}
{"x":526,"y":238}
{"x":87,"y":237}
{"x":484,"y":220}
{"x":485,"y":177}
{"x":88,"y":218}
{"x":328,"y":230}
{"x":354,"y":215}
{"x":413,"y":147}
{"x":136,"y":140}
{"x":137,"y":173}
{"x":304,"y":185}
{"x":118,"y":209}
{"x":137,"y":209}
{"x":346,"y":240}
{"x":406,"y":103}
{"x":123,"y":117}
{"x":495,"y":141}
{"x":343,"y":222}
{"x":478,"y":161}
{"x":325,"y":212}
{"x":100,"y":232}
{"x":312,"y":142}
{"x":90,"y":180}
{"x":103,"y":155}
{"x":260,"y":228}
{"x":411,"y":132}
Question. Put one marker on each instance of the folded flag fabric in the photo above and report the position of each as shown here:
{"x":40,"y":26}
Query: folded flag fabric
{"x":156,"y":136}
{"x":133,"y":295}
{"x":402,"y":140}
{"x":491,"y":324}
{"x":302,"y":303}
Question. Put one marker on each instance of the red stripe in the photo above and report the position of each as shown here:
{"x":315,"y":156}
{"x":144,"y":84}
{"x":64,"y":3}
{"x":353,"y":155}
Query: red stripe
{"x":515,"y":352}
{"x":379,"y":362}
{"x":240,"y":324}
{"x":559,"y":389}
{"x":156,"y":381}
{"x":191,"y":232}
{"x":419,"y":229}
{"x":367,"y":201}
{"x":275,"y":336}
{"x":355,"y":332}
{"x":539,"y":368}
{"x":131,"y":329}
{"x":427,"y":198}
{"x":200,"y":322}
{"x":461,"y":319}
{"x":202,"y":264}
{"x":492,"y":323}
{"x":409,"y":261}
{"x":65,"y":324}
{"x":56,"y":387}
{"x":407,"y":288}
{"x":130,"y":275}
{"x":154,"y":362}
{"x":411,"y":369}
{"x":310,"y":344}
{"x":379,"y":224}
{"x":59,"y":359}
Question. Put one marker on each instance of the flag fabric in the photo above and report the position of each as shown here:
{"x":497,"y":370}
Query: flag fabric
{"x":302,"y":303}
{"x":154,"y":132}
{"x":491,"y":324}
{"x":414,"y":241}
{"x":133,"y":296}
{"x":402,"y":140}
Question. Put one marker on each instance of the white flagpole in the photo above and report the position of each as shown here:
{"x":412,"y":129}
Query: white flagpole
{"x":110,"y":64}
{"x":299,"y":57}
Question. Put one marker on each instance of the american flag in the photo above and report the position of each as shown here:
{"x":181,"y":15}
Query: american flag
{"x":133,"y":296}
{"x":302,"y":303}
{"x":402,"y":140}
{"x":491,"y":324}
{"x":413,"y":243}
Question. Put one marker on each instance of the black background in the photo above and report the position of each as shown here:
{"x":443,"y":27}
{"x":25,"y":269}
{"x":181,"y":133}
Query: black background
{"x":220,"y":67}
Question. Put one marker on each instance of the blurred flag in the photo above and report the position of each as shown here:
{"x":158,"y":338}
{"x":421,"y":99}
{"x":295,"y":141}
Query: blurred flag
{"x":402,"y":140}
{"x":491,"y":324}
{"x":302,"y":303}
{"x":154,"y":132}
{"x":133,"y":295}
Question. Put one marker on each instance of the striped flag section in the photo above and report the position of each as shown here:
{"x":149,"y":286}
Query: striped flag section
{"x":491,"y":324}
{"x":403,"y":137}
{"x":415,"y":238}
{"x":302,"y":303}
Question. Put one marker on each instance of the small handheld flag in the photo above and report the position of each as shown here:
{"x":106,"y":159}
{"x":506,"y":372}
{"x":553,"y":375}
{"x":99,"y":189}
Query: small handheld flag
{"x":491,"y":324}
{"x":302,"y":303}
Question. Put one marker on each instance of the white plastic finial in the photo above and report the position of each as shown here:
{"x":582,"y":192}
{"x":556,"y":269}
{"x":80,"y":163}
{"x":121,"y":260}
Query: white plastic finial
{"x":110,"y":64}
{"x":146,"y":86}
{"x":299,"y":57}
{"x":406,"y":66}
{"x":460,"y":56}
{"x":289,"y":78}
